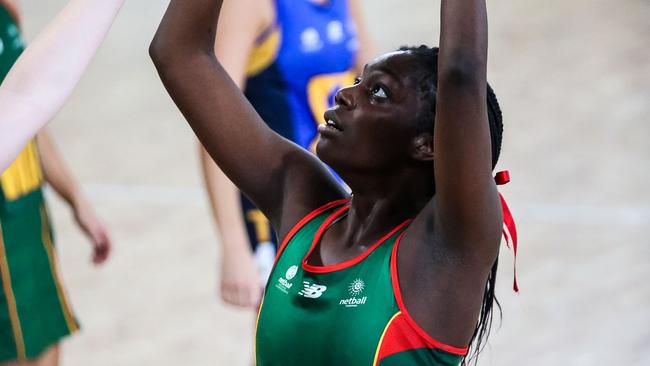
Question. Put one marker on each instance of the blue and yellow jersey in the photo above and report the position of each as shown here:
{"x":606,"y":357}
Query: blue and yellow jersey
{"x":299,"y":63}
{"x":24,"y":176}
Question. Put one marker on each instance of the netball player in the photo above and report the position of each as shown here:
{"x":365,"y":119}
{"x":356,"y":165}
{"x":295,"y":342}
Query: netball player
{"x":35,"y":313}
{"x":402,"y":271}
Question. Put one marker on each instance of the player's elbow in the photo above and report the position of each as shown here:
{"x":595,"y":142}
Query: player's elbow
{"x":462,"y":69}
{"x":170,"y":59}
{"x":161,"y":54}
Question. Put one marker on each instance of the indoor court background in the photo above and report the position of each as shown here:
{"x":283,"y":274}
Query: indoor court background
{"x":573,"y":79}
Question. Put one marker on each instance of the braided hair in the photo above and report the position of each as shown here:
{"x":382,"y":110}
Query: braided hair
{"x":427,"y":57}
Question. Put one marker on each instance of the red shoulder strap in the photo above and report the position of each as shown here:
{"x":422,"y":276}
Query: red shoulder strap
{"x":509,"y":227}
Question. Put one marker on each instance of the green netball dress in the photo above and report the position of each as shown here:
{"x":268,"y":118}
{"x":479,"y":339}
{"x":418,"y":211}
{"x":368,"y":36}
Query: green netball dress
{"x":34,"y":312}
{"x":349,"y":313}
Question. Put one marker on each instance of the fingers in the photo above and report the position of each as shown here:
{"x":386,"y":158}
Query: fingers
{"x":101,"y":246}
{"x":95,"y":230}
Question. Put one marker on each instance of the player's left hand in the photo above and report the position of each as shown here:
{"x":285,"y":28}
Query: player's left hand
{"x":94,"y":229}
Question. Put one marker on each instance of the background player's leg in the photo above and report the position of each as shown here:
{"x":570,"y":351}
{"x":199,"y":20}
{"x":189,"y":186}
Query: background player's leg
{"x":49,"y":358}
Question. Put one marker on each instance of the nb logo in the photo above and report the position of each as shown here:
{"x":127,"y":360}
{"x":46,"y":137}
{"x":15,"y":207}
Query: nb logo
{"x":312,"y":291}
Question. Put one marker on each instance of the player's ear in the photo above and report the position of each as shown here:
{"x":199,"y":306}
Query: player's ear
{"x":422,"y":147}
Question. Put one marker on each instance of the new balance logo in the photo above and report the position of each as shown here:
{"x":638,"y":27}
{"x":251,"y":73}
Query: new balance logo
{"x":312,"y":291}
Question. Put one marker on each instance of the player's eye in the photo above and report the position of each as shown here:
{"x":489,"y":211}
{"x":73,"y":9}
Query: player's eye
{"x":379,"y":92}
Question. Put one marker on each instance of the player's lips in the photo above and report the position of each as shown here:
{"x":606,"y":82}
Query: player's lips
{"x":331,"y":120}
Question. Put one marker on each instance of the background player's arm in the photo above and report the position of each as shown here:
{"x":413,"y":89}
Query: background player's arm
{"x":59,"y":178}
{"x":44,"y":76}
{"x":467,"y":202}
{"x":240,"y":24}
{"x":240,"y":281}
{"x":264,"y":165}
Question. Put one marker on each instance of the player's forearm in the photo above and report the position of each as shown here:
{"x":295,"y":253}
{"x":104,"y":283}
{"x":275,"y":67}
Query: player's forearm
{"x":50,"y":67}
{"x":463,"y":41}
{"x":187,"y":28}
{"x":466,"y":199}
{"x":225,"y":204}
{"x":46,"y":73}
{"x":56,"y":172}
{"x":461,"y":132}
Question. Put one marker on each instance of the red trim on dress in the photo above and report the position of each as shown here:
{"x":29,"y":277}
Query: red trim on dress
{"x":432,"y":343}
{"x":304,"y":221}
{"x":350,"y":262}
{"x":399,"y":337}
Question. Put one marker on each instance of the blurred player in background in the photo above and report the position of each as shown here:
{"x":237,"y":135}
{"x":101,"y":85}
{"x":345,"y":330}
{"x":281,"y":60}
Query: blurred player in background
{"x":35,"y":313}
{"x":289,"y":57}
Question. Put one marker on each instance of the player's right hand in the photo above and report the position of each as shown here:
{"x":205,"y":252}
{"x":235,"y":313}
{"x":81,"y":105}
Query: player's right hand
{"x":240,"y":283}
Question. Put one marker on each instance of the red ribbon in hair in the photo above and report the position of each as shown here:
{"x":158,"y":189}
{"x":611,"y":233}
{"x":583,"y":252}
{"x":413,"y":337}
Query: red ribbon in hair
{"x":509,"y":227}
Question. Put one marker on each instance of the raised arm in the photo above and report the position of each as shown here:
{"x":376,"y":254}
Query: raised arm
{"x":261,"y":163}
{"x":46,"y":73}
{"x":466,"y":195}
{"x":242,"y":21}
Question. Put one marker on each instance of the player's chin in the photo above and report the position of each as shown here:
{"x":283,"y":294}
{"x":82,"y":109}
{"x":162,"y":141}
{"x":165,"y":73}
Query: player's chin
{"x":328,"y":151}
{"x":325,"y":150}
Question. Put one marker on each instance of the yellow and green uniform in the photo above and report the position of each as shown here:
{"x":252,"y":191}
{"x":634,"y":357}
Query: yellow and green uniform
{"x":349,"y":313}
{"x":34,"y":312}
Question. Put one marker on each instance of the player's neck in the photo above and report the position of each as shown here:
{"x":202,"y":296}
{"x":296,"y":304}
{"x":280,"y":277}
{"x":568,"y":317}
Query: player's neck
{"x":370,"y":215}
{"x":406,"y":184}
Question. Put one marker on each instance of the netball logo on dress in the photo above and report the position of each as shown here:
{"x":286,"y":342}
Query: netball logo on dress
{"x":291,"y":272}
{"x":283,"y":282}
{"x":312,"y":290}
{"x":355,"y":289}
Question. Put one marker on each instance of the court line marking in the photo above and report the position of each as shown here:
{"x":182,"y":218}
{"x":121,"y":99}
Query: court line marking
{"x":548,"y":212}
